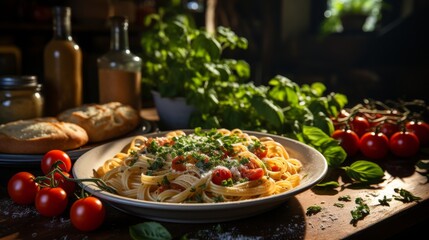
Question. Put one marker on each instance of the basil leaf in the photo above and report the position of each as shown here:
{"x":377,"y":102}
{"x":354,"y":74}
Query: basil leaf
{"x":149,"y":231}
{"x":364,"y":171}
{"x":273,"y":114}
{"x":206,"y":47}
{"x":335,"y":155}
{"x":329,"y":147}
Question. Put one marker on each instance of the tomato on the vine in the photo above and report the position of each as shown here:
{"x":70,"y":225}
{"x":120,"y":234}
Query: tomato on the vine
{"x":51,"y":202}
{"x":220,"y":174}
{"x":60,"y":181}
{"x":389,"y":128}
{"x":22,"y":188}
{"x":404,"y":144}
{"x":54,"y":156}
{"x":335,"y":120}
{"x":374,"y":145}
{"x":87,"y":214}
{"x":359,"y":125}
{"x":421,"y":129}
{"x":349,"y":140}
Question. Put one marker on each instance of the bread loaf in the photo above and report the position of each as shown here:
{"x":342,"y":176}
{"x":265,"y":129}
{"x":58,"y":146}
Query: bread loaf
{"x":38,"y":136}
{"x":103,"y":121}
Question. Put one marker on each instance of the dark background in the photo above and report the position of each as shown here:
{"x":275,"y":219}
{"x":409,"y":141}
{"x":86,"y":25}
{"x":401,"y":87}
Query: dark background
{"x":284,"y":37}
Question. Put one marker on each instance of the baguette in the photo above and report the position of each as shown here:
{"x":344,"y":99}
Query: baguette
{"x":39,"y":135}
{"x":103,"y":121}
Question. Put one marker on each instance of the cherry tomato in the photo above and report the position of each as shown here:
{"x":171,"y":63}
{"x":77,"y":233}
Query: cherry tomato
{"x":60,"y":181}
{"x":389,"y":128}
{"x":22,"y":188}
{"x":51,"y":202}
{"x":404,"y":144}
{"x":261,"y":152}
{"x":275,"y":168}
{"x":178,"y":164}
{"x":421,"y":129}
{"x":349,"y":140}
{"x":53,"y":156}
{"x":220,"y":174}
{"x":359,"y":125}
{"x":374,"y":145}
{"x":335,"y":120}
{"x":374,"y":119}
{"x":252,"y":174}
{"x":87,"y":214}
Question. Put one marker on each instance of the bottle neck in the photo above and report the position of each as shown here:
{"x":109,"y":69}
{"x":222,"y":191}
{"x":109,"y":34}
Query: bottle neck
{"x":62,"y":23}
{"x":119,"y":34}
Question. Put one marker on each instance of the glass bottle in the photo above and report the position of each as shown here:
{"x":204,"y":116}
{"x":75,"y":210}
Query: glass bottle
{"x":62,"y":66}
{"x":119,"y":70}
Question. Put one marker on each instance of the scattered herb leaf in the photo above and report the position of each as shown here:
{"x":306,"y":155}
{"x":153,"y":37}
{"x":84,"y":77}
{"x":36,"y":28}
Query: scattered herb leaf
{"x":345,"y":198}
{"x":340,"y":205}
{"x":405,"y":196}
{"x":360,"y":211}
{"x":385,"y":201}
{"x":313,"y":210}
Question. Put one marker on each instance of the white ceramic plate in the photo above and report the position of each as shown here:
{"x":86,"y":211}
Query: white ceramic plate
{"x":314,"y":169}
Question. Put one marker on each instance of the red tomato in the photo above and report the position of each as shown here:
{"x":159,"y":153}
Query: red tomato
{"x":178,"y":164}
{"x":404,"y":144}
{"x":22,"y":188}
{"x":51,"y":202}
{"x":349,"y":140}
{"x":374,"y":119}
{"x":54,"y":156}
{"x":359,"y":125}
{"x":338,"y":124}
{"x":275,"y":168}
{"x":421,"y":129}
{"x":261,"y":152}
{"x":220,"y":174}
{"x":389,"y":128}
{"x":87,"y":214}
{"x":60,"y":181}
{"x":374,"y":145}
{"x":252,"y":174}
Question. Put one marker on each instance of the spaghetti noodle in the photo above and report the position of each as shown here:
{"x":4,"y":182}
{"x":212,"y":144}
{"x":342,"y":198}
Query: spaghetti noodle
{"x":216,"y":165}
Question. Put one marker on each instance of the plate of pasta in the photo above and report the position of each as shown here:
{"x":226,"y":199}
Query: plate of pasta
{"x":196,"y":175}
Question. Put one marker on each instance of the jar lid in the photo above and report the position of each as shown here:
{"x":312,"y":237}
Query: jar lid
{"x":8,"y":82}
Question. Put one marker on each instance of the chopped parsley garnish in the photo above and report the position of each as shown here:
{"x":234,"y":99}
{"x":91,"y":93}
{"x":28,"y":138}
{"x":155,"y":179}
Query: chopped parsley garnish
{"x":157,"y":164}
{"x":165,"y":181}
{"x":135,"y":156}
{"x":218,"y":199}
{"x":227,"y":183}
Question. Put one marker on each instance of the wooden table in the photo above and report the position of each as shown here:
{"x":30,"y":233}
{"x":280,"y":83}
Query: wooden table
{"x":288,"y":221}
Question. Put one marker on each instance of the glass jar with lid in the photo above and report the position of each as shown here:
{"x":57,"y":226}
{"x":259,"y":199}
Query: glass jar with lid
{"x":20,"y":98}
